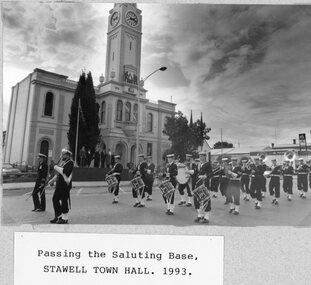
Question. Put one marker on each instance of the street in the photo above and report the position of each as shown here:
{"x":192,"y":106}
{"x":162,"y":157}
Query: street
{"x":92,"y":205}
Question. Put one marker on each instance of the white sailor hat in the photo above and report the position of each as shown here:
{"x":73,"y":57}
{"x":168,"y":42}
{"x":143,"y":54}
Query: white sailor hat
{"x":141,"y":155}
{"x":197,"y":159}
{"x":188,"y":155}
{"x":244,"y":160}
{"x":41,"y":155}
{"x":117,"y":156}
{"x":65,"y":150}
{"x":149,"y":156}
{"x":225,"y":159}
{"x":202,"y":153}
{"x":300,"y":159}
{"x":170,"y":155}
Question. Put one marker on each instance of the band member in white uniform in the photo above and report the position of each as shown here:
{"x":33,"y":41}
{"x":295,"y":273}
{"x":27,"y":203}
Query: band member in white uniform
{"x":181,"y":187}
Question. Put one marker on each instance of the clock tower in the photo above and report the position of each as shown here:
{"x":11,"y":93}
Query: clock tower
{"x":124,"y":44}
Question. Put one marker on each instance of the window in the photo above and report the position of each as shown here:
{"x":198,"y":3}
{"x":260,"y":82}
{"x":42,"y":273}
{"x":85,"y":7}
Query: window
{"x":135,"y":113}
{"x":103,"y":112}
{"x":48,"y":108}
{"x":44,"y":147}
{"x":127,"y":111}
{"x":149,"y":149}
{"x":119,"y":110}
{"x":149,"y":122}
{"x":130,"y":45}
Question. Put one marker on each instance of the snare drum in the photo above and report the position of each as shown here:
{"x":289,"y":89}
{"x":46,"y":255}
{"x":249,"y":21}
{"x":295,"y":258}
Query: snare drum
{"x":137,"y":183}
{"x":167,"y":188}
{"x":202,"y":194}
{"x":111,"y":180}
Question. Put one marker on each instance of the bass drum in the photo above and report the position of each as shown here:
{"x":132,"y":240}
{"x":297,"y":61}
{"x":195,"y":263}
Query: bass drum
{"x":182,"y":177}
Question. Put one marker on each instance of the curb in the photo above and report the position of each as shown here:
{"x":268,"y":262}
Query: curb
{"x":88,"y":184}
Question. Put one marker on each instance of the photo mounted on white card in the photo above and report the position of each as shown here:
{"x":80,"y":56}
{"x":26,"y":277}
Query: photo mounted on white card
{"x":187,"y":115}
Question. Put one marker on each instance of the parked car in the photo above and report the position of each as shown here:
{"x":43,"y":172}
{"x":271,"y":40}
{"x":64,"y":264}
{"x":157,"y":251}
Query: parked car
{"x":9,"y":171}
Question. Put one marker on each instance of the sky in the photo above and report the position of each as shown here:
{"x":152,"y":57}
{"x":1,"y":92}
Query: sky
{"x":246,"y":68}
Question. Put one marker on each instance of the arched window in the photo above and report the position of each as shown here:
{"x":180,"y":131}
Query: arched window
{"x":149,"y":122}
{"x":119,"y":110}
{"x":103,"y":112}
{"x":48,"y":107}
{"x":135,"y":113}
{"x":127,"y":111}
{"x":44,"y":147}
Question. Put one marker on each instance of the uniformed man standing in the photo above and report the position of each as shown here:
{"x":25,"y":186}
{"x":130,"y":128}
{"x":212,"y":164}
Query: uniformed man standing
{"x":274,"y":184}
{"x":116,"y":171}
{"x":205,"y":173}
{"x":38,"y":193}
{"x":302,"y":178}
{"x":61,"y":197}
{"x":149,"y":177}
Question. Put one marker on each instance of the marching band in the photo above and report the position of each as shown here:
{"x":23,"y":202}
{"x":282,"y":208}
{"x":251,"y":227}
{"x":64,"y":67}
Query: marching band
{"x":199,"y":177}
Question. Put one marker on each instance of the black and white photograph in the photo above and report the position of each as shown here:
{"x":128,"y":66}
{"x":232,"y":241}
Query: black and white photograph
{"x":191,"y":84}
{"x":190,"y":116}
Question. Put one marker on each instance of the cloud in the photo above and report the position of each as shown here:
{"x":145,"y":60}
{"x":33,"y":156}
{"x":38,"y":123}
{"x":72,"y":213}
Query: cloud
{"x":246,"y":67}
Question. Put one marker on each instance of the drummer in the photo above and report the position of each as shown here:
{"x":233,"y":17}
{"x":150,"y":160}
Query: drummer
{"x":205,"y":172}
{"x":186,"y":178}
{"x":171,"y":173}
{"x":140,"y":171}
{"x":116,"y":171}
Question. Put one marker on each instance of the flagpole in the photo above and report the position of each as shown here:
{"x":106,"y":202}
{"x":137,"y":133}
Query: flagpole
{"x":221,"y":141}
{"x":77,"y":132}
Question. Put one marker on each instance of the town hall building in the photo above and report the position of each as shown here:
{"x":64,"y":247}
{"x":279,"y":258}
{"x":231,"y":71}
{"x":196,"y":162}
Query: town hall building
{"x":40,"y":104}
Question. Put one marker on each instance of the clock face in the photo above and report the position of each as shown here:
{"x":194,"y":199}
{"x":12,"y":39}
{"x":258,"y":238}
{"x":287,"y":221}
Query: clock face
{"x":131,"y":18}
{"x":114,"y":18}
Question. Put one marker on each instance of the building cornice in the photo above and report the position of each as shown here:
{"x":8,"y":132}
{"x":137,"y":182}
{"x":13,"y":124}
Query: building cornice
{"x":53,"y":85}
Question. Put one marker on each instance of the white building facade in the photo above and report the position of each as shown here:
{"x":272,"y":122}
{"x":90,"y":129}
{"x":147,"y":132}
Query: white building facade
{"x":40,"y":104}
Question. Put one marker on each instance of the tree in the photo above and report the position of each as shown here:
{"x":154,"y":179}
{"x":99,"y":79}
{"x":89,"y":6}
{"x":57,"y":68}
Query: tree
{"x":89,"y":132}
{"x":200,"y":132}
{"x":184,"y":138}
{"x":223,"y":145}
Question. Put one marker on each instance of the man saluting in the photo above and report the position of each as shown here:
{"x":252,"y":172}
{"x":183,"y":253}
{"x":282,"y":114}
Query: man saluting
{"x":38,"y":191}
